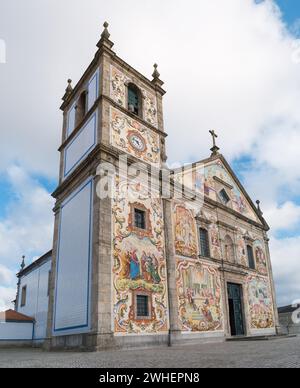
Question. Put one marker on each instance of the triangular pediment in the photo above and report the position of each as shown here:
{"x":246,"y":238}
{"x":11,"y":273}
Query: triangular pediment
{"x":215,"y":179}
{"x":220,"y":181}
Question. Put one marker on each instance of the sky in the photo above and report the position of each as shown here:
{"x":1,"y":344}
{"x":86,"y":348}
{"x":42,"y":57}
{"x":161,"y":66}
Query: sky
{"x":232,"y":65}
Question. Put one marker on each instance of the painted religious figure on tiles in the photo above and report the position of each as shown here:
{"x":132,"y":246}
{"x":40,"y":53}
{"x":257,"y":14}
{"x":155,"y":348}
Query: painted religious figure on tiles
{"x":260,"y":257}
{"x":185,"y":232}
{"x":215,"y":241}
{"x":139,"y":263}
{"x":260,"y":303}
{"x":199,"y":297}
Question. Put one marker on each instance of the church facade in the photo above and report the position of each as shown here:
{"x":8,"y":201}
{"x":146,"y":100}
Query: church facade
{"x":158,"y":257}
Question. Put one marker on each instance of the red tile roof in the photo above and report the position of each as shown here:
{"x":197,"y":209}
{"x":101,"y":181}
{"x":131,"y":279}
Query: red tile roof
{"x":14,"y":316}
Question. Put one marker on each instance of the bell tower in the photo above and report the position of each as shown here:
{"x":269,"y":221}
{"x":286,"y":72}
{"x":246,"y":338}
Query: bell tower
{"x":108,"y":280}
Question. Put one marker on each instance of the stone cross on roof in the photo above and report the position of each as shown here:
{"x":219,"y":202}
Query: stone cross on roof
{"x":215,"y":149}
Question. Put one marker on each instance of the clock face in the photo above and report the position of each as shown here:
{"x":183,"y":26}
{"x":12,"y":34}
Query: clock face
{"x":137,"y":142}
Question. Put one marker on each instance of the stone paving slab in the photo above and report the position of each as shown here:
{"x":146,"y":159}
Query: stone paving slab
{"x":280,"y":353}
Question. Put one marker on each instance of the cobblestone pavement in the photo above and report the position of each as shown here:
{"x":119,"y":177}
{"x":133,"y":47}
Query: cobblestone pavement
{"x":279,"y":353}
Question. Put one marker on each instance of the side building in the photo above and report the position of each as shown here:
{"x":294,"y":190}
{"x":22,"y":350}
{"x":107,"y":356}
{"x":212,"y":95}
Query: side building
{"x":33,"y":294}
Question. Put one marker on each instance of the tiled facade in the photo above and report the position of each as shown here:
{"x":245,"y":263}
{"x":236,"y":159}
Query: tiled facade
{"x":187,"y":292}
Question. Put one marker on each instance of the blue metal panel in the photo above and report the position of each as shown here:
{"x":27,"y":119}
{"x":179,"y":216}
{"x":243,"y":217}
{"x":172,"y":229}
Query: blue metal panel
{"x":81,"y":145}
{"x":73,"y":274}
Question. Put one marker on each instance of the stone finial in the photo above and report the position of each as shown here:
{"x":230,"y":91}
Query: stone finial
{"x":23,"y":263}
{"x":104,"y":41}
{"x":69,"y":90}
{"x":259,"y":208}
{"x":105,"y":34}
{"x":155,"y":74}
{"x":69,"y":87}
{"x":156,"y":80}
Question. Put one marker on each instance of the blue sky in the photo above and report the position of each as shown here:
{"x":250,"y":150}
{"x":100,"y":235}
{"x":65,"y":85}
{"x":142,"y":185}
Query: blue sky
{"x":290,"y":10}
{"x":241,"y":76}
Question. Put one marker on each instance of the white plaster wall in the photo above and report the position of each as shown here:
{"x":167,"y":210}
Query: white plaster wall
{"x":36,"y":298}
{"x":16,"y":331}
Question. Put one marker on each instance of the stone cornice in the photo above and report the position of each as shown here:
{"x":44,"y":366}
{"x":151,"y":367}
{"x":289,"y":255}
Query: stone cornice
{"x":80,"y":83}
{"x":116,"y":106}
{"x":227,"y":226}
{"x":133,"y":116}
{"x":236,"y":214}
{"x":203,"y":220}
{"x":87,"y":164}
{"x":223,"y":182}
{"x":233,"y":271}
{"x":73,"y":134}
{"x":95,"y":157}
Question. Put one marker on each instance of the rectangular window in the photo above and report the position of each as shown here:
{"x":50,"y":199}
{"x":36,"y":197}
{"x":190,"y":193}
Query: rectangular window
{"x":204,"y":243}
{"x":250,"y":257}
{"x":139,"y":219}
{"x":142,"y":306}
{"x":23,"y":296}
{"x":224,"y":197}
{"x":92,"y":90}
{"x":71,"y":120}
{"x":133,"y":99}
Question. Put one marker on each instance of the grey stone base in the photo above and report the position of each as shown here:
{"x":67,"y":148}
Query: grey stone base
{"x":141,"y":341}
{"x":78,"y":342}
{"x":100,"y":342}
{"x":179,"y":338}
{"x":16,"y":344}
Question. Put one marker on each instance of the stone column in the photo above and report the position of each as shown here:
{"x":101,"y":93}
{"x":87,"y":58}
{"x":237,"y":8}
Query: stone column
{"x":174,"y":331}
{"x":272,"y":284}
{"x":105,"y":336}
{"x":47,"y":343}
{"x":92,"y":336}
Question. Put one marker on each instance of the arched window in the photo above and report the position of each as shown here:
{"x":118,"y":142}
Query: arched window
{"x":204,"y":243}
{"x":250,"y":257}
{"x":229,"y":249}
{"x":81,"y":108}
{"x":134,"y":100}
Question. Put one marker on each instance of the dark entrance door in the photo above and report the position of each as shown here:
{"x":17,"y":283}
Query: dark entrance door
{"x":235,"y":295}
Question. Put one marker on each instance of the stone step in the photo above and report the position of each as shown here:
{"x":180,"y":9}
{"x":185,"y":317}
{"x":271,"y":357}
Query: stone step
{"x":258,"y":338}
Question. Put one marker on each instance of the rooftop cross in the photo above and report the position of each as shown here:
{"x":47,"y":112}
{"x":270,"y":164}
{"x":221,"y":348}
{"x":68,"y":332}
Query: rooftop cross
{"x":215,"y":148}
{"x":23,"y":263}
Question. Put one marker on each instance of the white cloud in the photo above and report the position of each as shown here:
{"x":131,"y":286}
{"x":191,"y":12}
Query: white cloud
{"x":26,"y":229}
{"x":6,"y":276}
{"x":7,"y":295}
{"x":286,"y":267}
{"x":227,"y":65}
{"x":285,"y":217}
{"x":28,"y":225}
